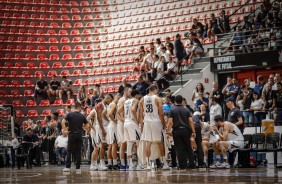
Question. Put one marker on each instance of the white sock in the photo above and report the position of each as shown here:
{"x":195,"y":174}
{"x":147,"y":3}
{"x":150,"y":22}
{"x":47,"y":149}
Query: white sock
{"x":164,"y":160}
{"x":148,"y":160}
{"x":122,"y":162}
{"x":114,"y":161}
{"x":110,"y":162}
{"x":130,"y":162}
{"x":94,"y":162}
{"x":205,"y":158}
{"x":102,"y":162}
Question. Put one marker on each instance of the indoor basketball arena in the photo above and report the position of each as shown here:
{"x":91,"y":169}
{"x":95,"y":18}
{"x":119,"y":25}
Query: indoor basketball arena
{"x":141,"y":91}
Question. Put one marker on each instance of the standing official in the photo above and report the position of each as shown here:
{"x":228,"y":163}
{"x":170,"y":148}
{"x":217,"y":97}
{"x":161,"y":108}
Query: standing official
{"x":76,"y":122}
{"x":180,"y":119}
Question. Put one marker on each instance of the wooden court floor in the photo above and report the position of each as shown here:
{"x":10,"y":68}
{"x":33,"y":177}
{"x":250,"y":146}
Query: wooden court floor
{"x":54,"y":174}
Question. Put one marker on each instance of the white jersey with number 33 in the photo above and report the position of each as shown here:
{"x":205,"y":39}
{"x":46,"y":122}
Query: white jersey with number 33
{"x":151,"y":109}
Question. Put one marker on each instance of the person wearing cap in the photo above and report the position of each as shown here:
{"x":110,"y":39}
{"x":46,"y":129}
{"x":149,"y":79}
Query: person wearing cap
{"x":181,"y":124}
{"x":54,"y":87}
{"x":234,"y":115}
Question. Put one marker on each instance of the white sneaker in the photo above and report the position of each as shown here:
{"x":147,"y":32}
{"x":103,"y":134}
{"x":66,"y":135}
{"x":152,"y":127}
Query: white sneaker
{"x":224,"y":165}
{"x":93,"y":168}
{"x":148,"y":168}
{"x":102,"y":167}
{"x":78,"y":171}
{"x":166,"y":167}
{"x":66,"y":170}
{"x":131,"y":168}
{"x":139,"y":168}
{"x":216,"y":165}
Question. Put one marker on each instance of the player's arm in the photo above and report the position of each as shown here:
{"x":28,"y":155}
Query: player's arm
{"x":140,"y":119}
{"x":64,"y":124}
{"x":104,"y":115}
{"x":160,"y":110}
{"x":192,"y":126}
{"x":100,"y":119}
{"x":110,"y":113}
{"x":240,"y":119}
{"x":134,"y":110}
{"x":120,"y":112}
{"x":89,"y":118}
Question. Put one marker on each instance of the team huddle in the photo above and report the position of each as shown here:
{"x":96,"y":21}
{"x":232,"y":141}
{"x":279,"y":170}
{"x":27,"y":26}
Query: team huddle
{"x":124,"y":121}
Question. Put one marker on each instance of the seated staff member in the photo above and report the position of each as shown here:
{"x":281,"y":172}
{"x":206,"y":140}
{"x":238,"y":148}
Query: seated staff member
{"x":231,"y":138}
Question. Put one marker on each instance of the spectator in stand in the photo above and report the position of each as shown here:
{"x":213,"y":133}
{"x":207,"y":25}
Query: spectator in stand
{"x":81,"y":96}
{"x":268,"y":96}
{"x":168,"y":93}
{"x":144,"y":74}
{"x":94,"y":97}
{"x":159,"y":45}
{"x":237,"y":41}
{"x":89,"y":96}
{"x":41,"y":88}
{"x":54,"y":87}
{"x":195,"y":94}
{"x":198,"y":26}
{"x":214,"y":25}
{"x":158,"y":67}
{"x":201,"y":100}
{"x":259,"y":86}
{"x":216,"y":93}
{"x":167,"y":105}
{"x":61,"y":144}
{"x":136,"y":65}
{"x":55,"y":119}
{"x":261,"y":17}
{"x":269,"y":20}
{"x":195,"y":47}
{"x":169,"y":45}
{"x":246,"y":97}
{"x":200,"y":38}
{"x":277,"y":79}
{"x":205,"y":117}
{"x":98,"y":89}
{"x":152,"y":46}
{"x":161,"y":81}
{"x":185,"y":104}
{"x":257,"y":107}
{"x":225,"y":92}
{"x":215,"y":109}
{"x":122,"y":86}
{"x":170,"y":72}
{"x":223,"y":20}
{"x":277,"y":103}
{"x":277,"y":22}
{"x":247,"y":26}
{"x":179,"y":50}
{"x":141,"y":86}
{"x":234,"y":89}
{"x":66,"y":88}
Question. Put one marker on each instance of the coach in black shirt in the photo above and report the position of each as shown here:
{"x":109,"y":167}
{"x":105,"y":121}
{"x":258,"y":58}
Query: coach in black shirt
{"x":28,"y":139}
{"x":180,"y":119}
{"x":76,"y":122}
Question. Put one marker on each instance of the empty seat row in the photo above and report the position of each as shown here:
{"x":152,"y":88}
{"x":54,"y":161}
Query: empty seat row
{"x":78,"y":56}
{"x":62,"y":2}
{"x":22,"y":39}
{"x":34,"y":113}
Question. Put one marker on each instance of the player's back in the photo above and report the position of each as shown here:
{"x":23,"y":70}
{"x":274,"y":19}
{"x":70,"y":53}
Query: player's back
{"x":127,"y":109}
{"x":151,"y":109}
{"x":236,"y":134}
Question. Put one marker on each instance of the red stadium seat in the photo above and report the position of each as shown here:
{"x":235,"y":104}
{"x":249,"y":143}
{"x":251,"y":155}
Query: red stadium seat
{"x":19,"y":65}
{"x":44,"y":103}
{"x":38,"y":73}
{"x":66,"y":48}
{"x":28,"y":93}
{"x":88,"y":82}
{"x":52,"y":73}
{"x":28,"y":83}
{"x":53,"y":40}
{"x":78,"y":25}
{"x":15,"y":83}
{"x":75,"y":32}
{"x":53,"y":48}
{"x":30,"y":65}
{"x":65,"y":73}
{"x":67,"y":57}
{"x":103,"y":80}
{"x":76,"y":17}
{"x":78,"y":48}
{"x":4,"y":73}
{"x":44,"y":65}
{"x":81,"y":64}
{"x":61,"y":112}
{"x":79,"y":56}
{"x":27,"y":74}
{"x":77,"y":82}
{"x":76,"y":40}
{"x":41,"y":57}
{"x":14,"y":74}
{"x":17,"y":103}
{"x":57,"y":65}
{"x":63,"y":32}
{"x":70,"y":64}
{"x":19,"y":114}
{"x":96,"y":81}
{"x":76,"y":73}
{"x":110,"y":89}
{"x":58,"y":102}
{"x":46,"y":112}
{"x":65,"y":17}
{"x":30,"y":103}
{"x":8,"y":65}
{"x":87,"y":72}
{"x":69,"y":102}
{"x":4,"y":83}
{"x":54,"y":57}
{"x":15,"y":93}
{"x":3,"y":93}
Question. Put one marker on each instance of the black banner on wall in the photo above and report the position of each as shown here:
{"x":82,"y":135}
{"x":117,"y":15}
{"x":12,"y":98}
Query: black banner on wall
{"x":250,"y":60}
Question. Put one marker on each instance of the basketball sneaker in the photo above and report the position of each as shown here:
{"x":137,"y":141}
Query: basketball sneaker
{"x":216,"y":165}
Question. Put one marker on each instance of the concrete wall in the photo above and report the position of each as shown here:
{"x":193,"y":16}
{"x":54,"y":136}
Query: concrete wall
{"x":189,"y":87}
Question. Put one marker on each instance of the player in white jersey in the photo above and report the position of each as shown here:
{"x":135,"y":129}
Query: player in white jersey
{"x":120,"y":127}
{"x":230,"y":139}
{"x":151,"y":119}
{"x":132,"y":131}
{"x":101,"y":131}
{"x":112,"y":135}
{"x":95,"y":117}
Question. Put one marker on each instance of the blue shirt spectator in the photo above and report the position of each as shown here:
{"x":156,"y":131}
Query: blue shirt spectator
{"x":167,"y":105}
{"x":200,"y":101}
{"x":141,"y":86}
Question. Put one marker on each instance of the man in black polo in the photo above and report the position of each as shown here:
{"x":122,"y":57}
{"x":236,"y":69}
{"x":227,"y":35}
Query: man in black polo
{"x":76,"y":122}
{"x":234,"y":115}
{"x":41,"y":88}
{"x":28,"y":139}
{"x":180,"y":119}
